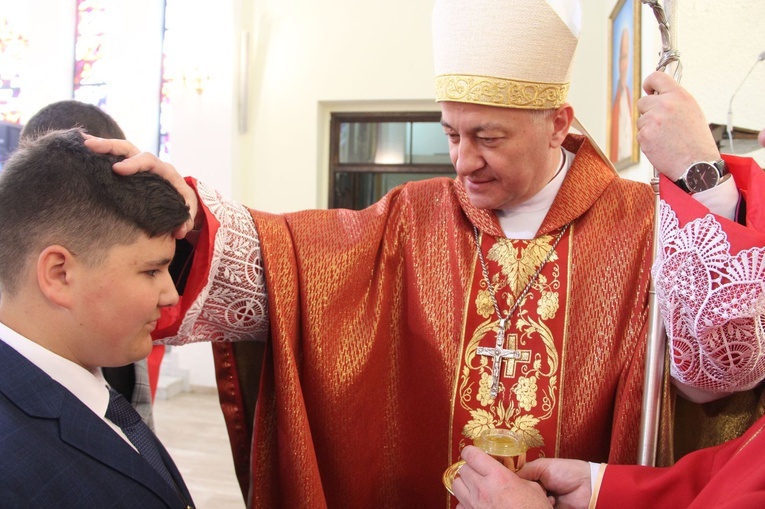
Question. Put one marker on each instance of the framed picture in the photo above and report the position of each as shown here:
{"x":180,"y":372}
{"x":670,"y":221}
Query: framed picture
{"x":623,"y":83}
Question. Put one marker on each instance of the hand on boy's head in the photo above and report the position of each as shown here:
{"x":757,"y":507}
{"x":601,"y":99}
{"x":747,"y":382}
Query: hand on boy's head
{"x":136,"y":161}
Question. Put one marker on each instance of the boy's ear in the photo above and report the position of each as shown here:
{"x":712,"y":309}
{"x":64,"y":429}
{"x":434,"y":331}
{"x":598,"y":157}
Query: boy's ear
{"x":54,"y":274}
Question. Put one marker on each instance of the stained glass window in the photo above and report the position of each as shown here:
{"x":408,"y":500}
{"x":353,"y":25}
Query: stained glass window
{"x":90,"y":73}
{"x":13,"y":52}
{"x":165,"y":117}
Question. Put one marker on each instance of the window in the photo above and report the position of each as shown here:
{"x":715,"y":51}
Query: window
{"x":93,"y":23}
{"x":13,"y":60}
{"x":371,"y":153}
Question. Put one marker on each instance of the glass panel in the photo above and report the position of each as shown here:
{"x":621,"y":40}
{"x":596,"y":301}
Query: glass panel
{"x":357,"y":142}
{"x":14,"y":59}
{"x":393,"y":143}
{"x":360,"y":190}
{"x":429,"y":144}
{"x":374,"y":142}
{"x":391,"y":146}
{"x":93,"y":21}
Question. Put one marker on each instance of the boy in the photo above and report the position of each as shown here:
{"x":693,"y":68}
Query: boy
{"x":84,"y":261}
{"x":131,"y":380}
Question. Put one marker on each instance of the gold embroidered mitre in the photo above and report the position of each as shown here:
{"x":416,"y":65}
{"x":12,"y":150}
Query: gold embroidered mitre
{"x":510,"y":53}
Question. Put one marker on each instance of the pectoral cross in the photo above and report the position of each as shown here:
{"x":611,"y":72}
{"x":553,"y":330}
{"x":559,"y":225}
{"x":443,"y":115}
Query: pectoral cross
{"x":498,"y":353}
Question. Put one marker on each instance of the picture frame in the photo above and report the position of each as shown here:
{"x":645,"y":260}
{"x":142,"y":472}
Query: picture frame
{"x":624,"y":83}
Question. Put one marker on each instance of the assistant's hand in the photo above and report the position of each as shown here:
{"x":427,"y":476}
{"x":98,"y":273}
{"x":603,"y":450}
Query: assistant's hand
{"x":672,"y":130}
{"x":485,"y":483}
{"x":567,"y":481}
{"x":136,"y":161}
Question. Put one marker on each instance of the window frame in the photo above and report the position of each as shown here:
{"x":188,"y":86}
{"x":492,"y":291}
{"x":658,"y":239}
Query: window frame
{"x":335,"y":166}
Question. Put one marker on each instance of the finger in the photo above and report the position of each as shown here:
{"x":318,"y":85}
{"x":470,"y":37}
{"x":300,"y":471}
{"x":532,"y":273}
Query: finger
{"x":648,"y":84}
{"x":460,"y":489}
{"x":532,"y":471}
{"x":645,"y":104}
{"x":658,"y":82}
{"x":479,"y":460}
{"x":183,"y":230}
{"x":467,"y":476}
{"x":144,"y":161}
{"x":116,"y":147}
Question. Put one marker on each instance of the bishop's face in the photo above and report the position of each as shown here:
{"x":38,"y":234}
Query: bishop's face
{"x":503,"y":156}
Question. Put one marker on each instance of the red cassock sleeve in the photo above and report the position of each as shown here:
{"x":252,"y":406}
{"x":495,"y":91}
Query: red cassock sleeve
{"x":731,"y":475}
{"x":750,"y":180}
{"x":197,"y":277}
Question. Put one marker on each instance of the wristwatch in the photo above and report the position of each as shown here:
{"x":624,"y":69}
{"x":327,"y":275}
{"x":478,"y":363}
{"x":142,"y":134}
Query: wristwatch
{"x":703,"y":175}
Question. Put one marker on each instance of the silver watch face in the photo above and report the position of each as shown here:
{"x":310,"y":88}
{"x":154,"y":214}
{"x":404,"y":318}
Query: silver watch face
{"x":700,"y":177}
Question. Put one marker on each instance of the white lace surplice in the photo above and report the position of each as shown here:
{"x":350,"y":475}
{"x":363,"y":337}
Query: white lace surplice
{"x":233,"y":305}
{"x":713,"y":305}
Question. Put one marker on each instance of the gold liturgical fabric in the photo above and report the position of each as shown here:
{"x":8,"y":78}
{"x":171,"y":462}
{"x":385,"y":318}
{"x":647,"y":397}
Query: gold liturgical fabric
{"x":359,"y":402}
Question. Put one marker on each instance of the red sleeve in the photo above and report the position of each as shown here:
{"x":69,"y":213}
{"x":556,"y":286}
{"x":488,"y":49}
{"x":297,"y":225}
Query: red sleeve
{"x":731,"y":475}
{"x":198,"y":276}
{"x":638,"y":487}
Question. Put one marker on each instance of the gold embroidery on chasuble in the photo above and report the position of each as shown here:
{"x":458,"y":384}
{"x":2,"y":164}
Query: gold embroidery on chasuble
{"x":528,"y":391}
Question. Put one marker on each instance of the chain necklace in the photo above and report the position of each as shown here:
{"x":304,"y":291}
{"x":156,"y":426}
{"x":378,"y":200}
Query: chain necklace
{"x":498,"y":352}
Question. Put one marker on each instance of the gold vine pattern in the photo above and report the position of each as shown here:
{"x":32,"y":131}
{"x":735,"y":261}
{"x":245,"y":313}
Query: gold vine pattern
{"x":500,"y":92}
{"x":513,"y":407}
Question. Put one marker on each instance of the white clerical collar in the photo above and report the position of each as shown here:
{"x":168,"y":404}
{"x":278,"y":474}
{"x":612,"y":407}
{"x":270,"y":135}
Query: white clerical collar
{"x":88,"y":387}
{"x":523,"y":221}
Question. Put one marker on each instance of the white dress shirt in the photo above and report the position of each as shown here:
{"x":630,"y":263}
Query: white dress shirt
{"x":89,"y":387}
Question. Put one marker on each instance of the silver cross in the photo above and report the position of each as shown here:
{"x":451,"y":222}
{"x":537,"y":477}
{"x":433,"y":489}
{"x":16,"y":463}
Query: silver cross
{"x":497,"y":354}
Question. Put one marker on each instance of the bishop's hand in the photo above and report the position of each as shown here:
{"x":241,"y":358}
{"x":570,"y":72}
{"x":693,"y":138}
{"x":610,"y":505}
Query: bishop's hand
{"x":485,"y":483}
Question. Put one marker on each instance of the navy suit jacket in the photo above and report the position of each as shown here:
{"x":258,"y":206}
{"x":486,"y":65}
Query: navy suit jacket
{"x":55,"y":452}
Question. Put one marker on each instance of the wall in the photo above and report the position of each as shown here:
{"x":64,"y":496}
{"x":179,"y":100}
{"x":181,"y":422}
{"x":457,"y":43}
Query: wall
{"x":310,"y":58}
{"x":718,"y":42}
{"x":307,"y":69}
{"x":359,"y":55}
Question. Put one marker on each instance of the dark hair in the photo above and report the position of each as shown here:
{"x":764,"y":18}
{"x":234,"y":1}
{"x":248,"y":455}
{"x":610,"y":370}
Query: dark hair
{"x":67,"y":114}
{"x":54,"y":190}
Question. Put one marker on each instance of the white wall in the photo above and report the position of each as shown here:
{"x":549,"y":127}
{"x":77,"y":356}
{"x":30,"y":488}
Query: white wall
{"x":309,"y":54}
{"x":719,"y":42}
{"x":310,"y":58}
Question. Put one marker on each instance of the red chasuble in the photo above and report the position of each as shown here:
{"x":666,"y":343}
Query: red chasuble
{"x":371,"y":383}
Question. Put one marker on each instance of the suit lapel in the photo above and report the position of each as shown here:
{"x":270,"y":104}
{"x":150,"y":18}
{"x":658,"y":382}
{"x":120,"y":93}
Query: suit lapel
{"x":82,"y":429}
{"x":38,"y":395}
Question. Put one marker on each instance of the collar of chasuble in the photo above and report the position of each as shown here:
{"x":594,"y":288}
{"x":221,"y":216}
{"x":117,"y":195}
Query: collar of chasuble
{"x":586,"y":180}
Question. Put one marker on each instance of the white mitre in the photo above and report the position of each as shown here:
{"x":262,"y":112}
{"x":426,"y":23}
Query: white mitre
{"x":511,"y":53}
